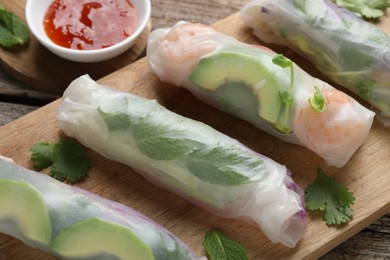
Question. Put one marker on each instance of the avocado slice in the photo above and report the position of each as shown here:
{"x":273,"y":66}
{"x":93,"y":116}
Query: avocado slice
{"x":95,"y":238}
{"x":229,"y":69}
{"x":21,"y":205}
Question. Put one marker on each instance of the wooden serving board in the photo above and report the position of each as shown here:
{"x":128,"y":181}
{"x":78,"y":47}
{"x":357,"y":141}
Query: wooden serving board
{"x":366,"y":174}
{"x":43,"y":70}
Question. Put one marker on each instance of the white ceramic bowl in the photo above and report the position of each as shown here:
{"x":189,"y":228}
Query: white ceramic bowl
{"x":35,"y":12}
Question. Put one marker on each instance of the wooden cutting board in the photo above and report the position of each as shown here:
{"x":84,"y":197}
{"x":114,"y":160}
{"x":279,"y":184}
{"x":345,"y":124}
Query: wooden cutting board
{"x":43,"y":70}
{"x":366,"y":174}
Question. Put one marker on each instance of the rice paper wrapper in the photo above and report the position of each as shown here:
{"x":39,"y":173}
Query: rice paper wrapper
{"x":347,"y":49}
{"x":186,"y":157}
{"x":230,"y":82}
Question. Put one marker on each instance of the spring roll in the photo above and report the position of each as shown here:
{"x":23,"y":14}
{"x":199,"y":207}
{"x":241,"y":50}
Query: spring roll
{"x":348,"y":50}
{"x":262,"y":87}
{"x":72,"y":223}
{"x":186,"y":157}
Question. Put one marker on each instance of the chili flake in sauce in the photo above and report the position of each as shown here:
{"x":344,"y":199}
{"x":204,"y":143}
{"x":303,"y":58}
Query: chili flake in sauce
{"x":90,"y":24}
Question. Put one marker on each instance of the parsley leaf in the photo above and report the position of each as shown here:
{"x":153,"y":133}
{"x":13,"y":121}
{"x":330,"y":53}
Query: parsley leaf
{"x":67,"y":159}
{"x":12,"y":31}
{"x":330,"y":197}
{"x":220,"y":247}
{"x":367,"y":9}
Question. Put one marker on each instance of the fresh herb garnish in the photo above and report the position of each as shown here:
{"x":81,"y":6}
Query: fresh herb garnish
{"x":355,"y":59}
{"x":161,"y":143}
{"x":285,"y":95}
{"x":224,"y":166}
{"x":12,"y":31}
{"x":66,"y":158}
{"x":326,"y":195}
{"x":220,"y":247}
{"x":367,"y":9}
{"x":285,"y":62}
{"x":317,"y":101}
{"x":160,"y":140}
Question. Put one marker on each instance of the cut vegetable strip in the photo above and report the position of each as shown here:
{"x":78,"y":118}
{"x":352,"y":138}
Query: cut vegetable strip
{"x":74,"y":224}
{"x":187,"y":157}
{"x":350,"y":51}
{"x":261,"y":87}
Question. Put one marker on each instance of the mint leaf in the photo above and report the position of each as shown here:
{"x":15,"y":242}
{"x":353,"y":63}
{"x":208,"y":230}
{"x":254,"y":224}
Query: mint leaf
{"x":161,"y":142}
{"x":224,"y":165}
{"x":156,"y":142}
{"x":326,"y":195}
{"x":115,"y":121}
{"x":354,"y":59}
{"x":317,"y":101}
{"x":220,"y":247}
{"x":67,"y":159}
{"x":12,"y":31}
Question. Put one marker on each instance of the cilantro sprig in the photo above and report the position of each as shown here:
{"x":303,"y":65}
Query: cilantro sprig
{"x":367,"y":9}
{"x":66,"y":158}
{"x":12,"y":30}
{"x":333,"y":199}
{"x":220,"y":247}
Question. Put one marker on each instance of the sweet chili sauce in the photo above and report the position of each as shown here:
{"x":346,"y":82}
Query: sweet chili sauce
{"x":90,"y":24}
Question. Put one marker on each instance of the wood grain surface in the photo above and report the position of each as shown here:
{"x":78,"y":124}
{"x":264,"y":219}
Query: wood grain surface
{"x":365,"y":174}
{"x":371,"y":243}
{"x":43,"y":70}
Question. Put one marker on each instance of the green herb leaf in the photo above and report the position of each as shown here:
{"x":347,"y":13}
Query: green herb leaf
{"x":287,"y":101}
{"x":12,"y":31}
{"x":285,"y":95}
{"x":67,"y":159}
{"x":224,"y":165}
{"x":164,"y":141}
{"x":354,"y":59}
{"x":282,"y":61}
{"x":220,"y":247}
{"x":365,"y":87}
{"x":367,"y":9}
{"x":317,"y":101}
{"x":158,"y":142}
{"x":115,"y":121}
{"x":330,"y":197}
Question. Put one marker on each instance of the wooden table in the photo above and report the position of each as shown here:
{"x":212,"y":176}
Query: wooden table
{"x":18,"y":99}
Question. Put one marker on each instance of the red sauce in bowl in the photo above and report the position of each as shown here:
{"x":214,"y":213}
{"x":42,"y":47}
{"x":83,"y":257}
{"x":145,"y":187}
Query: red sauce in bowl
{"x":90,"y":24}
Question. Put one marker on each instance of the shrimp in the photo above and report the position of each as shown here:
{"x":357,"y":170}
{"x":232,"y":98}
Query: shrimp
{"x":180,"y":49}
{"x":281,"y":93}
{"x":329,"y":132}
{"x":181,"y":45}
